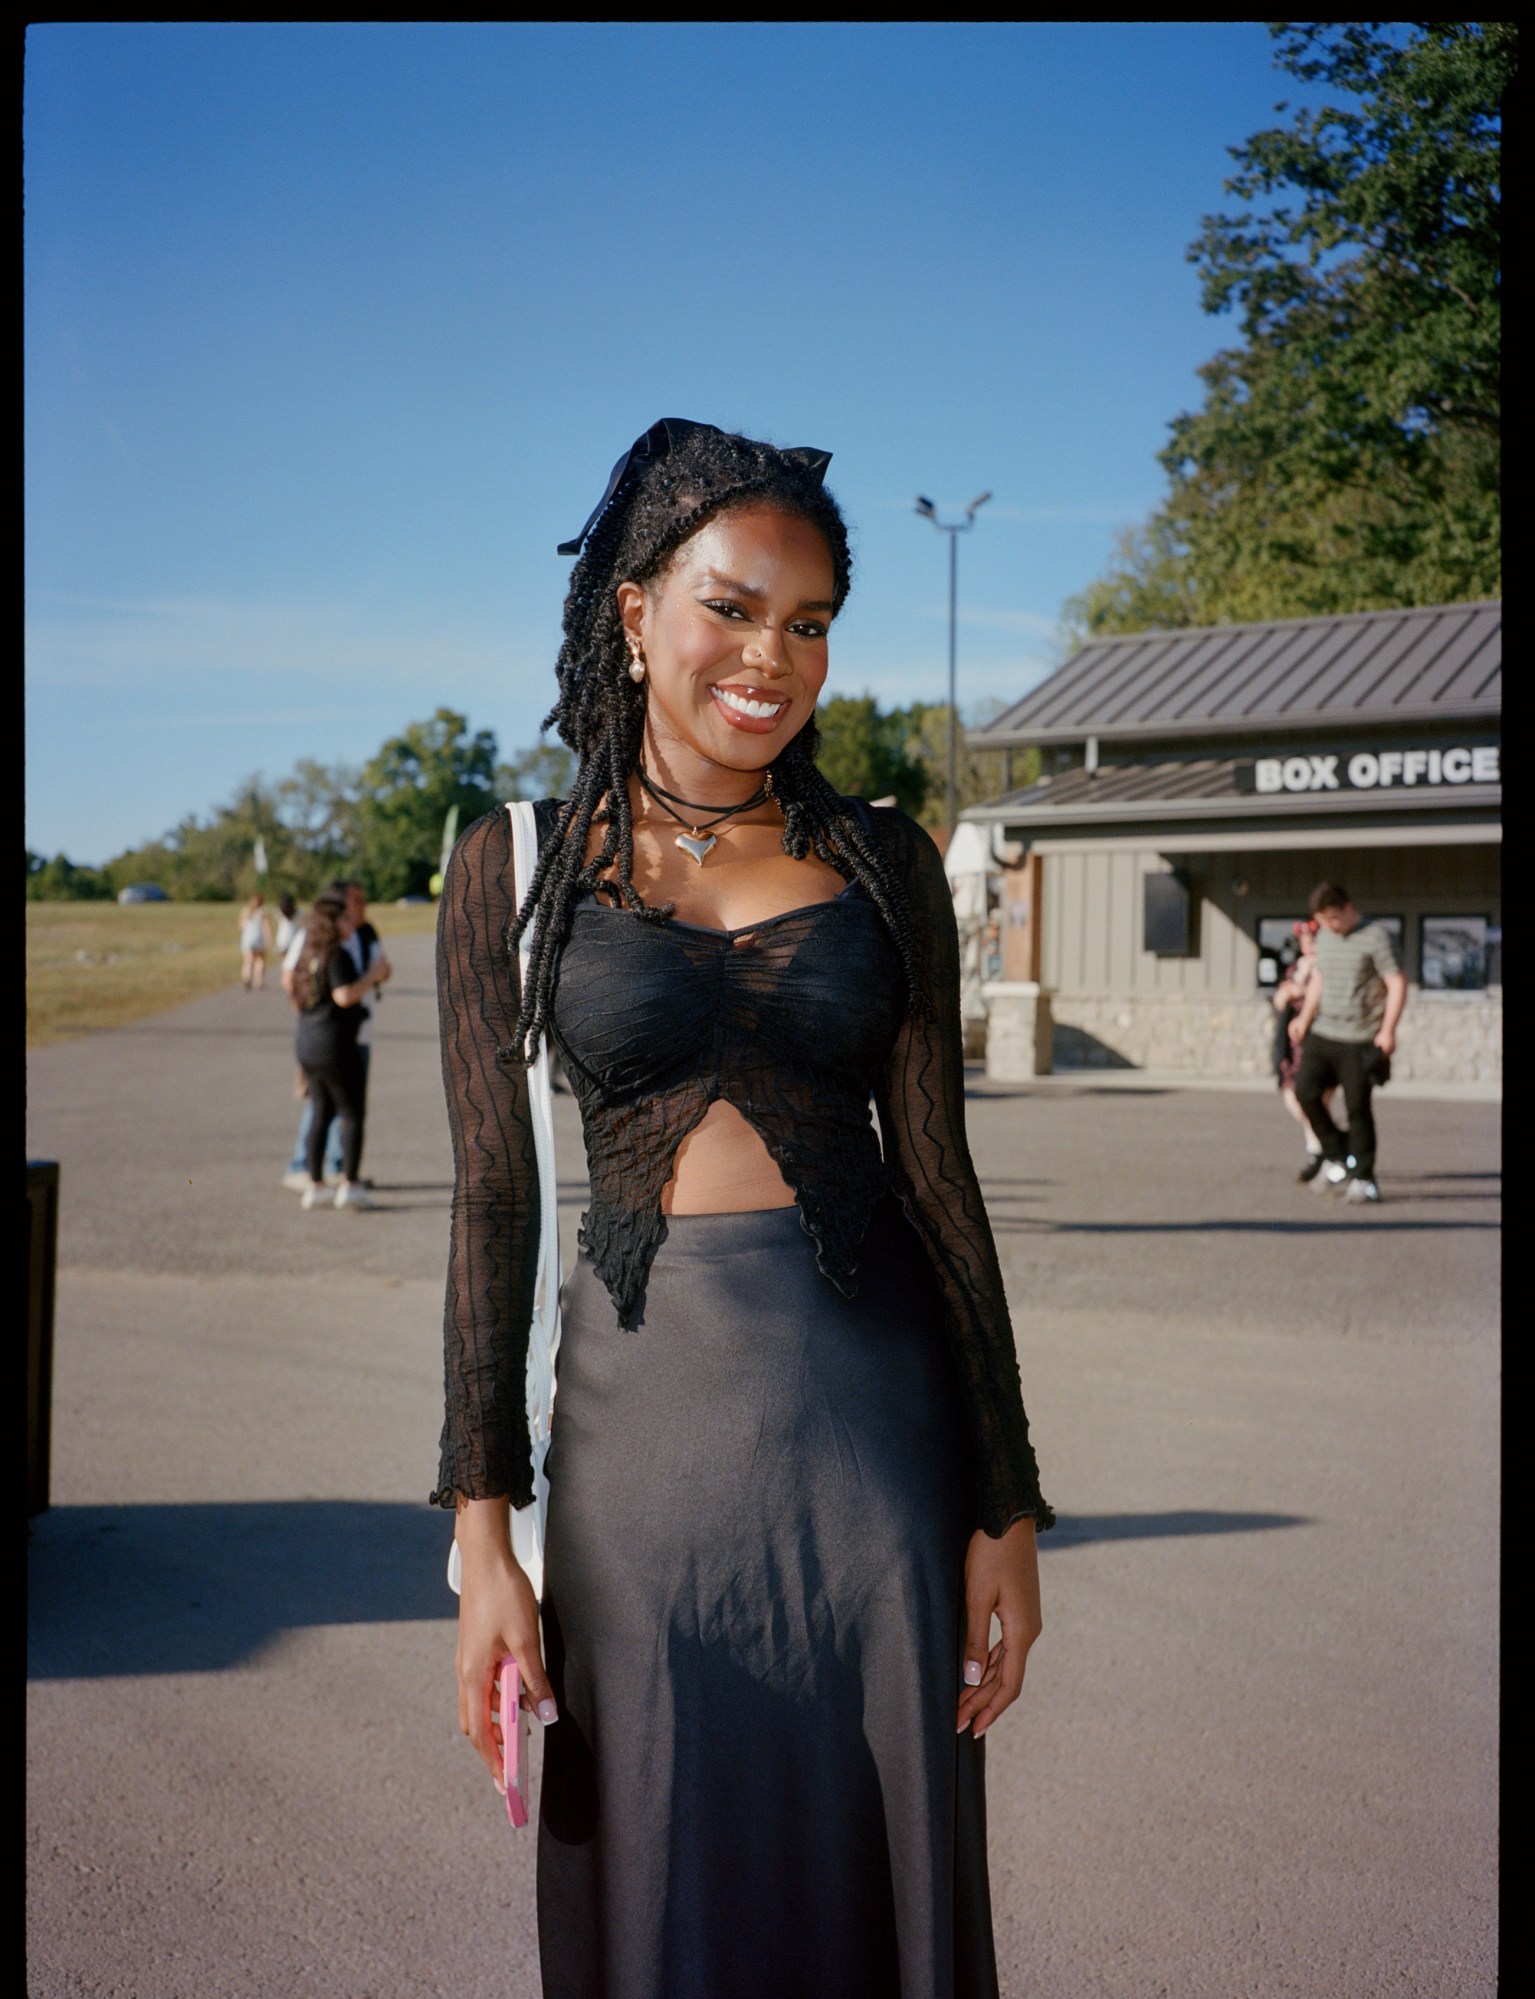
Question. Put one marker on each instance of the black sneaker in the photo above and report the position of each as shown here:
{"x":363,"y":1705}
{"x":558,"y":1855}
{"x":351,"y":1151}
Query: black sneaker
{"x":1310,"y":1170}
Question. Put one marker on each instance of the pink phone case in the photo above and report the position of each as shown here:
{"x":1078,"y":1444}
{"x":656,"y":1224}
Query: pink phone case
{"x":514,"y":1741}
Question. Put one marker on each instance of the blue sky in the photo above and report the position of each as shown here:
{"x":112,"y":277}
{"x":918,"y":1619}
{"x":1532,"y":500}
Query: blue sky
{"x":334,"y":331}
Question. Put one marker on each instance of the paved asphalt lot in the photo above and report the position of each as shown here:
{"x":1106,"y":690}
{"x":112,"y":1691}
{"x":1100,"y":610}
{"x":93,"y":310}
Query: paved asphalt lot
{"x":1256,"y":1752}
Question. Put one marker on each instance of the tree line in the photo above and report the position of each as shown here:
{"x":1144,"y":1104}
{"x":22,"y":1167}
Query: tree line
{"x":384,"y":822}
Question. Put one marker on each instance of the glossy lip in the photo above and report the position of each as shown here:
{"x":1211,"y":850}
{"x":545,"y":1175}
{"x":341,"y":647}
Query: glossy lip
{"x":754,"y":725}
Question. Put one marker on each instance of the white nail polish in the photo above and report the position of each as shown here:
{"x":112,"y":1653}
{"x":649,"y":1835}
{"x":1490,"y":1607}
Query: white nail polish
{"x":972,"y":1672}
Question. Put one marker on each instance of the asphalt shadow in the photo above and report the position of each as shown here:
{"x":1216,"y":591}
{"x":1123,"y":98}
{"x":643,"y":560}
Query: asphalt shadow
{"x":1080,"y":1530}
{"x":1432,"y":1179}
{"x":125,"y":1590}
{"x":156,"y":1029}
{"x":1324,"y":1224}
{"x":1054,"y":1089}
{"x":120,"y":1591}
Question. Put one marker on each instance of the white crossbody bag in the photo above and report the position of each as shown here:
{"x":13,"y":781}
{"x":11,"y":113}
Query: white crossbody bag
{"x":544,"y":1332}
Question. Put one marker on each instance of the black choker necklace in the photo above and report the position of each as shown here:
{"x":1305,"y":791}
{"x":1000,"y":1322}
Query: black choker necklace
{"x":700,"y":843}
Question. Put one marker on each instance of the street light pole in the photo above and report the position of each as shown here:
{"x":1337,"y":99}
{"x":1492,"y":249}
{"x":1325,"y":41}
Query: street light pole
{"x":953,"y":529}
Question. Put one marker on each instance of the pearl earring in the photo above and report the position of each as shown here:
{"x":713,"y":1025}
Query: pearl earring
{"x":636,"y":662}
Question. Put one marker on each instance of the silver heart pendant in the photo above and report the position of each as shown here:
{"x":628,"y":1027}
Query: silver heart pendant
{"x":699,"y":849}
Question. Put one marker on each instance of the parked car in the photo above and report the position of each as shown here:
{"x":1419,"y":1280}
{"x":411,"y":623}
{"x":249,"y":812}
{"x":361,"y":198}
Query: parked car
{"x":142,"y":892}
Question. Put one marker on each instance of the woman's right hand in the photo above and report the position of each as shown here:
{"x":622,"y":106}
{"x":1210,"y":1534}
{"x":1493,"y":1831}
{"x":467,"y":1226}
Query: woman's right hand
{"x":497,"y":1614}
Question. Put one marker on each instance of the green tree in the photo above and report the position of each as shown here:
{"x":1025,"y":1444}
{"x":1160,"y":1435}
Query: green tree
{"x":903,"y":753}
{"x":406,"y":793}
{"x":321,"y":829}
{"x":544,"y":771}
{"x":213,"y":860}
{"x":1345,"y":456}
{"x":979,"y":775}
{"x":863,"y":752}
{"x":59,"y":880}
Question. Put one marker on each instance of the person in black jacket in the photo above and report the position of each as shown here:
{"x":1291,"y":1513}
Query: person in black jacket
{"x":328,"y":991}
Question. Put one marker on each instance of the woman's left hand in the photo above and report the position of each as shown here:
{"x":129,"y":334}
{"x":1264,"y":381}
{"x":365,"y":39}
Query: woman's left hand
{"x":1001,"y":1578}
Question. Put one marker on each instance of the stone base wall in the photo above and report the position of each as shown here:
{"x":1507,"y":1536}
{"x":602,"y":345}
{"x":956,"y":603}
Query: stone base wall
{"x":1444,"y":1037}
{"x":1451,"y":1037}
{"x":1018,"y":1041}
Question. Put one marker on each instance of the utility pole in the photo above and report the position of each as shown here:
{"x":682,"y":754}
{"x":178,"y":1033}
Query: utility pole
{"x":953,"y":529}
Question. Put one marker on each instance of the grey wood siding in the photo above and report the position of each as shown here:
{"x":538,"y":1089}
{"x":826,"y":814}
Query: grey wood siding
{"x":1091,"y":937}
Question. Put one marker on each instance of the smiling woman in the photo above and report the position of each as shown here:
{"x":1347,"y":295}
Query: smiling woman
{"x":790,"y":1479}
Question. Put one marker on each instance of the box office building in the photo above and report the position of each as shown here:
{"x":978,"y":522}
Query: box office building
{"x":1195,"y":787}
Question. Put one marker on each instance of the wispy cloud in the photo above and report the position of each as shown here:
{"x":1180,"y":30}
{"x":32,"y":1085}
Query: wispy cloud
{"x":895,"y":683}
{"x":1088,"y":516}
{"x":1034,"y":624}
{"x":1038,"y":625}
{"x":115,"y":439}
{"x":171,"y":646}
{"x":1094,"y":517}
{"x":235,"y":718}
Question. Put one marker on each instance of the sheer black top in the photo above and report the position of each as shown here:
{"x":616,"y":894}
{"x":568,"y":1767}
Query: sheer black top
{"x":800,"y":1022}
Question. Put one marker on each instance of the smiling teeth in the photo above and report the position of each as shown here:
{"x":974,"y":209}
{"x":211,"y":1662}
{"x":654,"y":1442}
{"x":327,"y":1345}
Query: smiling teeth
{"x":758,"y":710}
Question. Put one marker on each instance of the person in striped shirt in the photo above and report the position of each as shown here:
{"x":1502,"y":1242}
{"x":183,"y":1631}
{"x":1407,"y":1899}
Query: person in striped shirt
{"x":1346,"y":1032}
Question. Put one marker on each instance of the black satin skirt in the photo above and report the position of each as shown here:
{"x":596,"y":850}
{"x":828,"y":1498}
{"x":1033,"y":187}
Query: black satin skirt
{"x":760,"y":1501}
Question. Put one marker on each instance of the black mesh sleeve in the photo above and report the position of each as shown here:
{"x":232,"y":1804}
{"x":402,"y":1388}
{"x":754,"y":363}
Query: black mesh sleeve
{"x":493,"y":1246}
{"x":921,"y":1107}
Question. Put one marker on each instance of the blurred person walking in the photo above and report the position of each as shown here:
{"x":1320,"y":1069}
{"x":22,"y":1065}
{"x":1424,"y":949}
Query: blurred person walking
{"x":287,"y":922}
{"x":255,"y":942}
{"x":367,"y":952}
{"x":1346,"y":1032}
{"x":329,"y":993}
{"x":1288,"y":995}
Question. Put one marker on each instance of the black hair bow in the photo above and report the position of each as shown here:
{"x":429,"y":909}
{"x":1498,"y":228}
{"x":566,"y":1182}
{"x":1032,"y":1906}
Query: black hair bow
{"x":658,"y":442}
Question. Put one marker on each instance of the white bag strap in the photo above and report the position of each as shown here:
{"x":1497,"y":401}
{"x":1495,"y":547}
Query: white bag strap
{"x":546,"y":1295}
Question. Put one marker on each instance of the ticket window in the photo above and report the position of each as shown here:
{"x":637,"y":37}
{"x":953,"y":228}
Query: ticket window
{"x":1278,"y":949}
{"x":1459,"y":954}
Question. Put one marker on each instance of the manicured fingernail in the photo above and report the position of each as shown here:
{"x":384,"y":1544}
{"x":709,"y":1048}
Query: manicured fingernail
{"x":972,"y":1672}
{"x":500,"y":1786}
{"x":547,"y":1712}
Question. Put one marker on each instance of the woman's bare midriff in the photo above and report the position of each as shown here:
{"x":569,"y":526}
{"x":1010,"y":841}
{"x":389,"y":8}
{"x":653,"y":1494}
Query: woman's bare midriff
{"x":723,"y":1168}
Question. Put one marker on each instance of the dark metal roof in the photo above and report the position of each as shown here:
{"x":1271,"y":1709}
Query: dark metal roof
{"x":1202,"y":788}
{"x":1439,"y":664}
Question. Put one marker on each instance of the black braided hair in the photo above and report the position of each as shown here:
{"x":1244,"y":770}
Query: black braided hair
{"x":600,"y":713}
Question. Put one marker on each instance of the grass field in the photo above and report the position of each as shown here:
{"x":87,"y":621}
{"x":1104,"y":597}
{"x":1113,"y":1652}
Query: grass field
{"x":95,"y":964}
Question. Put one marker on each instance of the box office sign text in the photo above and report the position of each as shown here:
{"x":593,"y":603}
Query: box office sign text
{"x":1373,"y":770}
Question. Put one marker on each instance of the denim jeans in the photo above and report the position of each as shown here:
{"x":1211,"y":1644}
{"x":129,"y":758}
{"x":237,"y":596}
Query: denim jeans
{"x":299,"y":1163}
